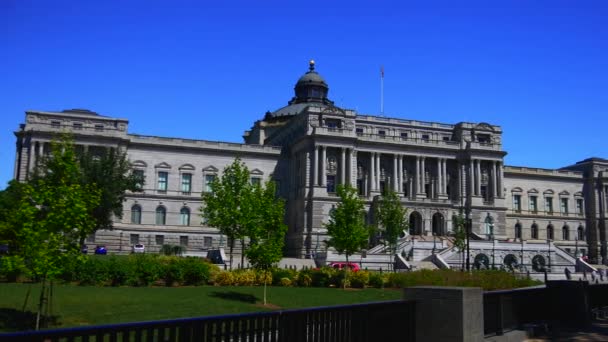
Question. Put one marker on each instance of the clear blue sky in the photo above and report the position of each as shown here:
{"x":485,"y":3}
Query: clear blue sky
{"x":209,"y":69}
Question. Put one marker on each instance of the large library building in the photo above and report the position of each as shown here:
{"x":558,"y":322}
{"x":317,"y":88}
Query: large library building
{"x":536,"y":219}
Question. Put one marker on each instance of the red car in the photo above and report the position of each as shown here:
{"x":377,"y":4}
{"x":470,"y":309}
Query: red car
{"x":340,"y":265}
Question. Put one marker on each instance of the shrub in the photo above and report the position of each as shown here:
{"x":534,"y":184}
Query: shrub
{"x":376,"y":280}
{"x":224,"y":278}
{"x":244,"y":277}
{"x":119,"y":271}
{"x":93,"y":271}
{"x":280,"y":273}
{"x":285,"y":282}
{"x":321,"y":277}
{"x":359,"y":279}
{"x":173,"y":272}
{"x":196,"y":271}
{"x":146,"y":269}
{"x":264,"y":277}
{"x":304,"y":279}
{"x":10,"y":268}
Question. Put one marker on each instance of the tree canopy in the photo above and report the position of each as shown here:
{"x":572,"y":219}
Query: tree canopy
{"x":391,"y":218}
{"x":228,"y":205}
{"x":346,"y":227}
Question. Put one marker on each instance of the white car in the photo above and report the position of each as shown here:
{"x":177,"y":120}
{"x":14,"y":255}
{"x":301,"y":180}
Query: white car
{"x":138,"y":248}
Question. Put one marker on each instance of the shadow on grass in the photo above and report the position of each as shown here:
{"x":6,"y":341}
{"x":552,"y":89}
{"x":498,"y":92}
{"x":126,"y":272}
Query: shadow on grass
{"x":17,"y":320}
{"x":237,"y":296}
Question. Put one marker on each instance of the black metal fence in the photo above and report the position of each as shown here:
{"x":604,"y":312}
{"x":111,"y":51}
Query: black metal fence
{"x":380,"y":321}
{"x":507,"y":310}
{"x":570,"y":304}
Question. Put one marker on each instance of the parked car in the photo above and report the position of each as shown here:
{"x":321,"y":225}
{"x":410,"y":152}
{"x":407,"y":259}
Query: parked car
{"x":138,"y":248}
{"x":84,"y":249}
{"x":101,"y":250}
{"x":341,"y":265}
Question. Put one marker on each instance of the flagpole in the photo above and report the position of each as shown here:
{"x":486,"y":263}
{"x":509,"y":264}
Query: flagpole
{"x":382,"y":90}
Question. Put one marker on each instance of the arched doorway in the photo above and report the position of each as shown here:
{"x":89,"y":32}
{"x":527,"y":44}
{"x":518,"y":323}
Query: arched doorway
{"x":415,"y":223}
{"x":438,"y":224}
{"x":482,"y":262}
{"x":510,"y":262}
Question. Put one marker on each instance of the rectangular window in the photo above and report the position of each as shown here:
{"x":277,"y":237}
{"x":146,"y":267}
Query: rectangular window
{"x":564,"y":205}
{"x":333,"y":123}
{"x":382,"y":132}
{"x":99,"y":128}
{"x":404,"y":135}
{"x":359,"y":130}
{"x":549,"y":205}
{"x":160,"y":240}
{"x":331,"y":183}
{"x":207,"y":242}
{"x":517,"y":203}
{"x":139,"y":175}
{"x":77,"y":126}
{"x":256,"y":180}
{"x":134,"y":238}
{"x":186,"y":183}
{"x":533,"y":204}
{"x":446,"y":138}
{"x":208,"y":180}
{"x":183,"y":240}
{"x":162,"y":180}
{"x":426,"y":137}
{"x":55,"y":124}
{"x":579,"y":206}
{"x":360,"y":187}
{"x":483,"y":138}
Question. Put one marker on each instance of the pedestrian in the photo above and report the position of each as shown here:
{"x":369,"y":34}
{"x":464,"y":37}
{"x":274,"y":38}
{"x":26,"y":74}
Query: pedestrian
{"x":568,"y":273}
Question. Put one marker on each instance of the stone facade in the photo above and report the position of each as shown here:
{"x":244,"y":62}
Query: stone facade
{"x":310,"y":146}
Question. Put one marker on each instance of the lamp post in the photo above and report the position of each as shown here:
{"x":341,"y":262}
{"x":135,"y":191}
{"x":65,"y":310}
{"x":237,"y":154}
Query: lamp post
{"x":576,"y":246}
{"x":493,"y":244}
{"x":434,"y":242}
{"x":549,"y":253}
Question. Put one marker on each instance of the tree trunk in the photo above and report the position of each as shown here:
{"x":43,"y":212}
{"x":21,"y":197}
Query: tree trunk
{"x":265,"y":276}
{"x":242,"y":253}
{"x":346,"y":273}
{"x":40,"y":303}
{"x":231,"y":249}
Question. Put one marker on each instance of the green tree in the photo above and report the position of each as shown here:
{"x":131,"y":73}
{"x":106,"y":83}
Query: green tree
{"x":267,"y":233}
{"x":460,"y":234}
{"x":9,"y":203}
{"x":228,"y":206}
{"x":346,"y":227}
{"x":391,"y":219}
{"x":52,"y":214}
{"x":109,"y":170}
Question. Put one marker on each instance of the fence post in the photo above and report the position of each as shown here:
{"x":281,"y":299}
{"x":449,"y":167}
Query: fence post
{"x":499,"y":320}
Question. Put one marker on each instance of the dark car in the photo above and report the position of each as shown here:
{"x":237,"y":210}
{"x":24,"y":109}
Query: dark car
{"x":84,"y":249}
{"x":101,"y":250}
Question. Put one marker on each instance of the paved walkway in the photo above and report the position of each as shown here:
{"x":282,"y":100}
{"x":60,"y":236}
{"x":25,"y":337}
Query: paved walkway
{"x":597,"y":332}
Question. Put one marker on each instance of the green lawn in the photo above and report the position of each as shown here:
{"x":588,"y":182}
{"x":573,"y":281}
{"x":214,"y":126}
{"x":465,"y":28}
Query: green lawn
{"x":88,"y":305}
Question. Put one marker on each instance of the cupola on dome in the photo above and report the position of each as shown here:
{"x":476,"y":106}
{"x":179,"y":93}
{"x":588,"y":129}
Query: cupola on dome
{"x":311,"y":87}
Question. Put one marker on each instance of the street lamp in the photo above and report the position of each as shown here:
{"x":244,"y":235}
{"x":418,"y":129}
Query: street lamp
{"x":434,"y":242}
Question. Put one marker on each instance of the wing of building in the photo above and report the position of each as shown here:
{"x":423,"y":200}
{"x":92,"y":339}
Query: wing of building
{"x":310,"y":146}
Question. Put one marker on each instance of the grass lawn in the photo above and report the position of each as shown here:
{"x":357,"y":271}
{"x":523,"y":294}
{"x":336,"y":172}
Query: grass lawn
{"x":89,"y":305}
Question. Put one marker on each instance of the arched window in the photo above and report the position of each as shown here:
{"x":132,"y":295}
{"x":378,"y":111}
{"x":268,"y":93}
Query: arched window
{"x":550,"y":232}
{"x":437,"y":224}
{"x":534,"y":231}
{"x":184,"y":216}
{"x":161,"y":215}
{"x":136,"y":214}
{"x":566,"y":233}
{"x":415,"y":223}
{"x":518,"y":230}
{"x":581,"y":233}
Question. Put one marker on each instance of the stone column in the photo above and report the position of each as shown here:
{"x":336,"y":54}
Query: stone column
{"x":323,"y":167}
{"x":32,"y":157}
{"x":500,"y":180}
{"x":378,"y":171}
{"x":342,"y":166}
{"x":395,"y":175}
{"x":372,"y":171}
{"x":400,"y":172}
{"x":494,"y":184}
{"x":478,"y":177}
{"x":314,"y":170}
{"x":417,"y":176}
{"x":354,"y":169}
{"x":445,"y":176}
{"x":439,"y":176}
{"x":471,"y":184}
{"x":423,"y":175}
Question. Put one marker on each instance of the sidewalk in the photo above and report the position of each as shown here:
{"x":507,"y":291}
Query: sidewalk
{"x":597,"y":332}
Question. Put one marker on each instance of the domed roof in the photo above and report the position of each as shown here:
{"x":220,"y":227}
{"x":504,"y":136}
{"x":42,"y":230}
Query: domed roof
{"x":311,"y":76}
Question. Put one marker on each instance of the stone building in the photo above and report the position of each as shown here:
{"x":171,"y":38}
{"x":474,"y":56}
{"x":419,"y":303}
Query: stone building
{"x":310,"y":146}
